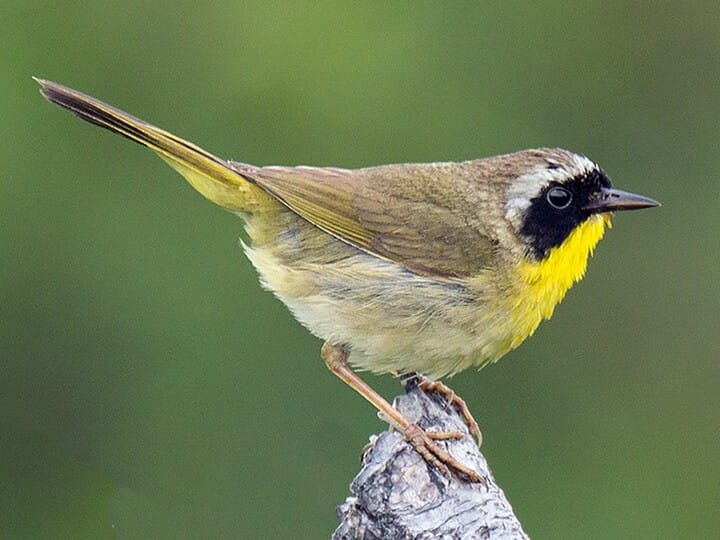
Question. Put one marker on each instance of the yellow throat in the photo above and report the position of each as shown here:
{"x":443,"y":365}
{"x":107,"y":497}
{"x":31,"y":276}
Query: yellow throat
{"x":543,"y":284}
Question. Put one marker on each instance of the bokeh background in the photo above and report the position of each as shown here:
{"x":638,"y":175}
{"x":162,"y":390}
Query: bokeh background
{"x":150,"y":389}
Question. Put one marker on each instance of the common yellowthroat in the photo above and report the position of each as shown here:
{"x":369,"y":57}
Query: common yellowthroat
{"x":430,"y":268}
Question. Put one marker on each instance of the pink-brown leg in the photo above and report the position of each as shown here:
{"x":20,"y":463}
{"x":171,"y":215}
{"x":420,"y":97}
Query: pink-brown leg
{"x":335,"y":357}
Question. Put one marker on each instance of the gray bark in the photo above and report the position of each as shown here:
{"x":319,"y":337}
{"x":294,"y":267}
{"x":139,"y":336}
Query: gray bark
{"x":397,"y":495}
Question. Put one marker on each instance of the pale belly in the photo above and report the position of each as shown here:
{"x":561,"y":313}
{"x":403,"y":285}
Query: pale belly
{"x":394,"y":320}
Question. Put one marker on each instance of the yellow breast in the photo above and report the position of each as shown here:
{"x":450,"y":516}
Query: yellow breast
{"x":543,"y":284}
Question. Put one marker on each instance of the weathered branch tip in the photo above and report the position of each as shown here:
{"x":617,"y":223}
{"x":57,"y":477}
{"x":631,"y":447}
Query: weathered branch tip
{"x":397,"y":495}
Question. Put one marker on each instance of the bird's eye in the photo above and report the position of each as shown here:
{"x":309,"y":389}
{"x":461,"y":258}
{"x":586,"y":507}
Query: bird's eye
{"x":559,"y":197}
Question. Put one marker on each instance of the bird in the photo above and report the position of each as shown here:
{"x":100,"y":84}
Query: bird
{"x":427,"y":268}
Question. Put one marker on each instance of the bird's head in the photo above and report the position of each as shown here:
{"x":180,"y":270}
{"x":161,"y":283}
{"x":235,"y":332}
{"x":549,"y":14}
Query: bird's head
{"x":557,"y":191}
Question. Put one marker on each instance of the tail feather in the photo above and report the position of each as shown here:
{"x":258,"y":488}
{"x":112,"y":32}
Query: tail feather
{"x":208,"y":174}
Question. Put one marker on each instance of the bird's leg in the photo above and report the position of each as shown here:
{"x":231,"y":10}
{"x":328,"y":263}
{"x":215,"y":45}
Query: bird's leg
{"x":336,"y":356}
{"x":428,"y":386}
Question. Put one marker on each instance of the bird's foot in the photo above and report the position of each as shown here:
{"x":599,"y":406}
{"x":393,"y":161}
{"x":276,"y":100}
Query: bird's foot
{"x":424,"y":443}
{"x":335,"y":357}
{"x":451,"y":398}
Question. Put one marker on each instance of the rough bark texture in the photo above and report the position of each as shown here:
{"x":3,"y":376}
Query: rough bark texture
{"x":397,"y":495}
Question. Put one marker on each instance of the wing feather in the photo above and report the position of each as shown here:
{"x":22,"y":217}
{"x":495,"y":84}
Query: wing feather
{"x":413,"y":215}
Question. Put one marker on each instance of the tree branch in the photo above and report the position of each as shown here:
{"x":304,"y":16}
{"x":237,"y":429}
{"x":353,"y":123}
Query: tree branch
{"x":397,"y":495}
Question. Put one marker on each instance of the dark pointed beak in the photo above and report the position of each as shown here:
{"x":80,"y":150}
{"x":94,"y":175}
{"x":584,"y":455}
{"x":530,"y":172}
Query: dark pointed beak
{"x":610,"y":200}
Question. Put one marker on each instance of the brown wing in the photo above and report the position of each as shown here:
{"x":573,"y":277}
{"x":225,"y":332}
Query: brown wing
{"x":414,"y":215}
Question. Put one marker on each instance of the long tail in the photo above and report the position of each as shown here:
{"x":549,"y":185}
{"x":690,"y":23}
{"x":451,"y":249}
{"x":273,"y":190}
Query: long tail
{"x":208,"y":174}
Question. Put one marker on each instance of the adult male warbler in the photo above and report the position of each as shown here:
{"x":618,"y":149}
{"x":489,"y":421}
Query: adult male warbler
{"x":428,"y":268}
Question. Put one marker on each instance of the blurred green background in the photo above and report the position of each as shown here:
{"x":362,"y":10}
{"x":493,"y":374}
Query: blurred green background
{"x":150,"y":388}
